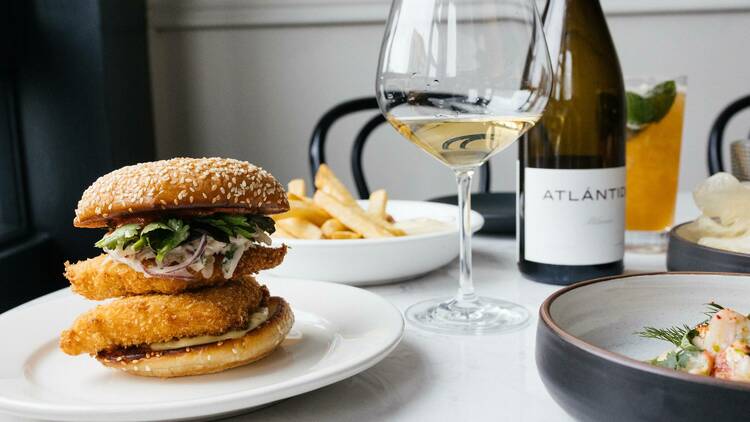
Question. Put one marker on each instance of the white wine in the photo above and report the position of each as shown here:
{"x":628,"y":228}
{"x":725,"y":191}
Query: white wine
{"x":465,"y":140}
{"x":571,"y":187}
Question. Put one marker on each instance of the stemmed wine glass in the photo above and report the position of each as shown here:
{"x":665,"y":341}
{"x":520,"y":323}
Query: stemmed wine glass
{"x":463,"y":80}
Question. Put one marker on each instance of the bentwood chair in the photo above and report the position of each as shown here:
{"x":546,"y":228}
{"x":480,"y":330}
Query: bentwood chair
{"x":716,"y":137}
{"x":318,"y":142}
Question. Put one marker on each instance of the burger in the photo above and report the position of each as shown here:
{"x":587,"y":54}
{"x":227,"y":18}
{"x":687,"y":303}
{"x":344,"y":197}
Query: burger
{"x":184,"y":239}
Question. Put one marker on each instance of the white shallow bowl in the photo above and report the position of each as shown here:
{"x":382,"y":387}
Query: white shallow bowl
{"x":362,"y":262}
{"x":335,"y":336}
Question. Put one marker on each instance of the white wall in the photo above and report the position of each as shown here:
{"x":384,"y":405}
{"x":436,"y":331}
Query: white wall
{"x":249,"y":79}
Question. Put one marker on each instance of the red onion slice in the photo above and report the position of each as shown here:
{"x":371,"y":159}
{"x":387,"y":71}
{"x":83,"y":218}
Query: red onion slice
{"x":175,"y":271}
{"x":156,"y":272}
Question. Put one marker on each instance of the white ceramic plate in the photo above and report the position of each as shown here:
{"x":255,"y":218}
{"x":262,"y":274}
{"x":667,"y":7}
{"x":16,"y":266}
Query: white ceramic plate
{"x":339,"y":331}
{"x":363,"y":262}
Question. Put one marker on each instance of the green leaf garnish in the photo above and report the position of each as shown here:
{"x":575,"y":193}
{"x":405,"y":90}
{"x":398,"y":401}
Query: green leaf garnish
{"x":652,"y":107}
{"x":239,"y":225}
{"x":264,"y":223}
{"x":670,"y":361}
{"x":140,"y":243}
{"x":675,"y":359}
{"x":165,"y":235}
{"x":155,"y":226}
{"x":120,"y":237}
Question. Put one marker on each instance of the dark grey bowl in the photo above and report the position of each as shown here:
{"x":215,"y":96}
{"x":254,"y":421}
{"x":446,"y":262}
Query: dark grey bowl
{"x":684,"y":254}
{"x":592,"y":363}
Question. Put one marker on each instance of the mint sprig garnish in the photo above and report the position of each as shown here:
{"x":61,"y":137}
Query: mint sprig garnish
{"x":164,"y":235}
{"x":652,"y":107}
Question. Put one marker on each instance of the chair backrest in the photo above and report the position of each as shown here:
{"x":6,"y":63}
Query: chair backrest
{"x":716,"y":137}
{"x":320,"y":133}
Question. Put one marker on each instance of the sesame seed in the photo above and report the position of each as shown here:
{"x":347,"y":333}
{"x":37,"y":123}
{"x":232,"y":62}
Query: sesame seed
{"x":145,"y":186}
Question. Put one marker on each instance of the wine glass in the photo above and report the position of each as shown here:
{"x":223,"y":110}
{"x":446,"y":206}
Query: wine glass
{"x":463,"y":80}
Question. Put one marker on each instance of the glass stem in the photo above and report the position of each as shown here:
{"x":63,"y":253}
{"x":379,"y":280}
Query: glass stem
{"x":466,"y":293}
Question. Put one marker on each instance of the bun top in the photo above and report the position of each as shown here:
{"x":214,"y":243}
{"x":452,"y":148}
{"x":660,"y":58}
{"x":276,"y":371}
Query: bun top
{"x":182,"y":185}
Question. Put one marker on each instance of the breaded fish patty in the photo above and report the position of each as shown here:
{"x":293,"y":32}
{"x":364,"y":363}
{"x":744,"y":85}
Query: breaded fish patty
{"x":159,"y":318}
{"x":102,"y":278}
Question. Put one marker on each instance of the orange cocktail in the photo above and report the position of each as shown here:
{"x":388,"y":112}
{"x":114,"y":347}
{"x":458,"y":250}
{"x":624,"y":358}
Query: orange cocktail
{"x":655,"y":118}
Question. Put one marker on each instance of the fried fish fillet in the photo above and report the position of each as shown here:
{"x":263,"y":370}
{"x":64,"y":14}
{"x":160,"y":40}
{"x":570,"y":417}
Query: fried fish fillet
{"x":159,"y":318}
{"x":102,"y":278}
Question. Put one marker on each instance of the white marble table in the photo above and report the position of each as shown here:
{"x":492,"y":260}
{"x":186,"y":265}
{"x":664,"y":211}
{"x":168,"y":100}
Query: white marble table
{"x":463,"y":378}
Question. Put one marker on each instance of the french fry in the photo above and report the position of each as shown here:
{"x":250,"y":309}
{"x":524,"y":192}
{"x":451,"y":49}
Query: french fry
{"x":327,"y":182}
{"x":297,"y":187}
{"x":281,"y":233}
{"x":333,"y":212}
{"x":331,"y":226}
{"x":377,"y":203}
{"x":387,"y":226}
{"x":299,"y":228}
{"x":293,"y":197}
{"x":345,"y":234}
{"x":352,"y":216}
{"x":304,"y":210}
{"x":376,"y":210}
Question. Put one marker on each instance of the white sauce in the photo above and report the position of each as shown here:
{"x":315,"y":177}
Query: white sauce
{"x":415,"y":226}
{"x":204,"y":265}
{"x":256,"y":319}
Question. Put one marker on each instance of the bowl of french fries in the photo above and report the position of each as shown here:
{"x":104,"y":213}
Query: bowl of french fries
{"x":332,"y":236}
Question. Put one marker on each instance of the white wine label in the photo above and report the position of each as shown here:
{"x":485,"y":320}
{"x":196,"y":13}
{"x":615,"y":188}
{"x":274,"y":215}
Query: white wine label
{"x":574,"y":217}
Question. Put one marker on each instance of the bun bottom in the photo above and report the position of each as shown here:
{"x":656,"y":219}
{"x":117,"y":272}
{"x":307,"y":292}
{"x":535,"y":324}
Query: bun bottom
{"x":214,"y":357}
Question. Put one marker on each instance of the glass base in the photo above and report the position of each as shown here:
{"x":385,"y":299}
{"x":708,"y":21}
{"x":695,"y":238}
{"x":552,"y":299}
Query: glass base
{"x":483,"y":316}
{"x":650,"y":242}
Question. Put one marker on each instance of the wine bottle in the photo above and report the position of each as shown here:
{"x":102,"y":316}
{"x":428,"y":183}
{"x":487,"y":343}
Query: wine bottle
{"x":571,"y":175}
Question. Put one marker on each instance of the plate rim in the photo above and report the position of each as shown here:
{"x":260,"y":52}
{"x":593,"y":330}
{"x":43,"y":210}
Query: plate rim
{"x":477,"y":222}
{"x":545,"y":318}
{"x":281,"y":391}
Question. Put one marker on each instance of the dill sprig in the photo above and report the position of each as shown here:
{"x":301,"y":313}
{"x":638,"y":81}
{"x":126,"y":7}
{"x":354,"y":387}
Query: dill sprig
{"x":713,"y":308}
{"x":673,"y":335}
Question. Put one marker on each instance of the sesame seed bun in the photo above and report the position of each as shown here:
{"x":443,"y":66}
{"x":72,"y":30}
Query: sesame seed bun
{"x":188,"y":185}
{"x":213,"y":357}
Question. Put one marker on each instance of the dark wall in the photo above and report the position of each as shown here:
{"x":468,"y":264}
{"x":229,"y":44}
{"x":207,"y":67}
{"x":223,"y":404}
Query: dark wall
{"x":85,"y":105}
{"x":83,"y":109}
